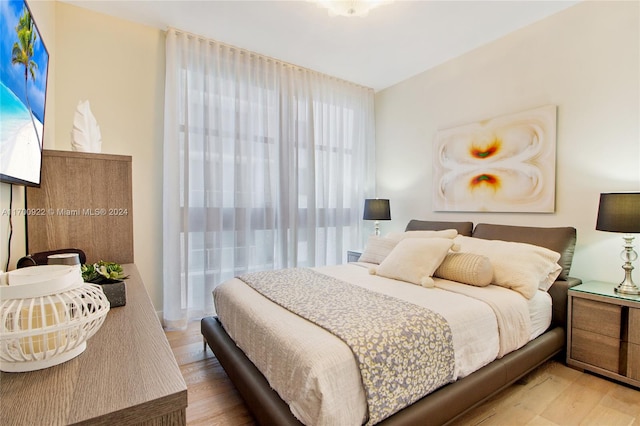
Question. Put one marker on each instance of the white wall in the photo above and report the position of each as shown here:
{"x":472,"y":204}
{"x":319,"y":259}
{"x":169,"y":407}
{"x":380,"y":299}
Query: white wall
{"x":585,"y":60}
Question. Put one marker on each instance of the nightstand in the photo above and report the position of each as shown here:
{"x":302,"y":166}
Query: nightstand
{"x":353,"y":255}
{"x":603,"y":331}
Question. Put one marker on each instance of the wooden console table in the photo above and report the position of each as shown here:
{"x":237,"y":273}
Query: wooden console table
{"x":127,"y":375}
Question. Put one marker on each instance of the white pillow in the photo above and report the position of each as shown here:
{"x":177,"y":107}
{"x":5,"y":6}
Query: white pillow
{"x":522,"y":267}
{"x":377,"y":249}
{"x":445,"y":233}
{"x":414,"y":260}
{"x":466,"y":268}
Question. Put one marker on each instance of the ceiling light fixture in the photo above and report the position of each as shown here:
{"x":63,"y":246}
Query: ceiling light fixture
{"x":350,"y":7}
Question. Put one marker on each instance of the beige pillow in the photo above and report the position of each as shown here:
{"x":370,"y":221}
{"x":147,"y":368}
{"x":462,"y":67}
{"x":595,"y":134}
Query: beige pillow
{"x":467,"y":268}
{"x":522,"y":267}
{"x":414,"y":260}
{"x":377,"y":249}
{"x":445,"y":233}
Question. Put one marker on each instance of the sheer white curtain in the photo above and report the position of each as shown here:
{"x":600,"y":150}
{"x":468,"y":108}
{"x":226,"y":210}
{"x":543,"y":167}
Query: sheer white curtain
{"x":266,"y":165}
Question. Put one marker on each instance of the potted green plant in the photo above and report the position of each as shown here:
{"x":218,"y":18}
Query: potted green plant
{"x":110,"y":276}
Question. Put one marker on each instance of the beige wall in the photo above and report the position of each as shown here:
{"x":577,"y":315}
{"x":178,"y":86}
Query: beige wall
{"x":119,"y":67}
{"x":586,"y":61}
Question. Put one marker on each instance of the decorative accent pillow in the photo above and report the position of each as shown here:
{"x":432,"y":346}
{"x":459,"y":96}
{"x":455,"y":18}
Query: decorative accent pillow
{"x":522,"y":267}
{"x":414,"y":260}
{"x":445,"y":233}
{"x":467,"y":268}
{"x":377,"y":249}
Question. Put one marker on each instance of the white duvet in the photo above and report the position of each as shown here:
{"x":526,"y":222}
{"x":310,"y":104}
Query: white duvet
{"x":316,"y":373}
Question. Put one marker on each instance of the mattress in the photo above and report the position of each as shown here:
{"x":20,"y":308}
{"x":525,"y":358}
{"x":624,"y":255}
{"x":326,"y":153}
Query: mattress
{"x":315,"y":372}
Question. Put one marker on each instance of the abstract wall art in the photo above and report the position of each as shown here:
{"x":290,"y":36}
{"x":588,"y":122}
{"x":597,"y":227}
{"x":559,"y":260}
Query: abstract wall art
{"x":505,"y":164}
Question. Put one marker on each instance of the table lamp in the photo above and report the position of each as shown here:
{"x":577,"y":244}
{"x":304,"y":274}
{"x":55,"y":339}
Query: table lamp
{"x":376,"y":209}
{"x":47,"y":313}
{"x":620,"y":212}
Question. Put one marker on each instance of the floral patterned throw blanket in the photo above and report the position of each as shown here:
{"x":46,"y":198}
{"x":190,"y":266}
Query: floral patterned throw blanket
{"x":404,"y":351}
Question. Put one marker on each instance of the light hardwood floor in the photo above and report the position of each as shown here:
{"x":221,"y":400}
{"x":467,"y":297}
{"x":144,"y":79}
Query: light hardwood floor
{"x":554,"y":394}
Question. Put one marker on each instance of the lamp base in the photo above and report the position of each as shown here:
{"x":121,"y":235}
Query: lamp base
{"x":627,"y":288}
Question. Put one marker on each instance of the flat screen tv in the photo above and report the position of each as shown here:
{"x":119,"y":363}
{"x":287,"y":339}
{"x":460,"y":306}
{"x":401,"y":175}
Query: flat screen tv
{"x":24,"y":65}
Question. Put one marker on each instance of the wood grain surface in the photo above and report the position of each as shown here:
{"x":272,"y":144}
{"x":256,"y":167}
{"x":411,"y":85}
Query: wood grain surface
{"x":597,"y":317}
{"x":634,"y":325}
{"x":633,"y":357}
{"x":602,"y":330}
{"x":84,"y":202}
{"x":127,"y":375}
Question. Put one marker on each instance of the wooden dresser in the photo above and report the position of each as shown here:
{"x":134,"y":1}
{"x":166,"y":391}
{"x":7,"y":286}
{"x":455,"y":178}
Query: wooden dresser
{"x":604,"y":332}
{"x":127,"y":375}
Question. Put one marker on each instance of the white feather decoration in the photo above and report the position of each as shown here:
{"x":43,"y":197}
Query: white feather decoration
{"x":85,"y":136}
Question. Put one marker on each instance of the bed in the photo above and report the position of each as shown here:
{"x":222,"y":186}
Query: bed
{"x":471,"y":382}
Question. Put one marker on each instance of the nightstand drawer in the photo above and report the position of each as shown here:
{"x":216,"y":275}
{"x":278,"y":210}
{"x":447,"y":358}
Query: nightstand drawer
{"x":633,"y":361}
{"x":634,"y":326}
{"x":597,"y":317}
{"x":603,"y":331}
{"x":596,"y":349}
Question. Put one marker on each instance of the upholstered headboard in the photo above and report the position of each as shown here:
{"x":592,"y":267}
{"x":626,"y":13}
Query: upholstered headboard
{"x":561,"y":240}
{"x":558,"y":239}
{"x":463,"y":228}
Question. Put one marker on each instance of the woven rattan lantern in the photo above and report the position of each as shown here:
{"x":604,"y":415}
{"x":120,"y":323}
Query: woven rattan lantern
{"x":47,"y":313}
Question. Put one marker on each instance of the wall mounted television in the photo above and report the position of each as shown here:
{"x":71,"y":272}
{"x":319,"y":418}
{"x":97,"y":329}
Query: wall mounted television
{"x":24,"y":66}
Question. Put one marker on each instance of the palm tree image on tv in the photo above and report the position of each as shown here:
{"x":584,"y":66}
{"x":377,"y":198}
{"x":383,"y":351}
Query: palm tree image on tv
{"x":22,"y":54}
{"x":24,"y":63}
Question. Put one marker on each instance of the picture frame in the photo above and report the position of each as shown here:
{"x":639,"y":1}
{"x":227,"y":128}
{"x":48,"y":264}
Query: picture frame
{"x":503,"y":164}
